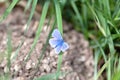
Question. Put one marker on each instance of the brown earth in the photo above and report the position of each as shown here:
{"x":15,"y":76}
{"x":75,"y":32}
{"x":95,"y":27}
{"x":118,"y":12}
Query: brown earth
{"x":78,"y":59}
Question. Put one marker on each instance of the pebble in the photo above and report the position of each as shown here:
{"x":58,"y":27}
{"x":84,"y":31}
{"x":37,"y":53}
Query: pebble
{"x":46,"y":68}
{"x":6,"y":69}
{"x":17,"y":67}
{"x":19,"y":78}
{"x":29,"y":65}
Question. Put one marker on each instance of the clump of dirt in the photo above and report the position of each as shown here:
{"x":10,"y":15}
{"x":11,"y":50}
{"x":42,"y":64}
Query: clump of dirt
{"x":78,"y":59}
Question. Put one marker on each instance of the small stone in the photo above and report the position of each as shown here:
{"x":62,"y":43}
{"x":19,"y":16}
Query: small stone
{"x":43,"y":74}
{"x":19,"y":78}
{"x":29,"y":65}
{"x":62,"y":77}
{"x":67,"y":68}
{"x":33,"y":64}
{"x":45,"y":61}
{"x":17,"y":67}
{"x":20,"y":72}
{"x":6,"y":69}
{"x":77,"y":78}
{"x":3,"y":63}
{"x":52,"y":53}
{"x":72,"y":76}
{"x":54,"y":64}
{"x":46,"y":68}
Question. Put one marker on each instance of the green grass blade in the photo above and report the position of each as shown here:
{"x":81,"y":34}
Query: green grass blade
{"x":59,"y":23}
{"x":110,"y":42}
{"x":44,"y":13}
{"x":8,"y":10}
{"x":58,"y":16}
{"x":118,"y":68}
{"x":97,"y":52}
{"x":59,"y":64}
{"x":78,"y":15}
{"x":97,"y":20}
{"x":113,"y":25}
{"x":28,"y":5}
{"x":27,"y":26}
{"x":116,"y":76}
{"x":9,"y":49}
{"x":5,"y":77}
{"x":31,"y":14}
{"x":116,"y":13}
{"x":44,"y":48}
{"x":116,"y":9}
{"x":109,"y":71}
{"x":17,"y":51}
{"x":103,"y":22}
{"x":51,"y":76}
{"x":85,"y":16}
{"x":46,"y":43}
{"x":107,"y":7}
{"x":101,"y":49}
{"x":103,"y":68}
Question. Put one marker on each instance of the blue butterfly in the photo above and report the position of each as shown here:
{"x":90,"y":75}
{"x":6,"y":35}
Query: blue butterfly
{"x":57,"y":42}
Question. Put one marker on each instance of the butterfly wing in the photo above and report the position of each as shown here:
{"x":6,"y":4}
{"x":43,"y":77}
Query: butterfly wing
{"x":58,"y":49}
{"x":56,"y":34}
{"x":53,"y":42}
{"x":64,"y":47}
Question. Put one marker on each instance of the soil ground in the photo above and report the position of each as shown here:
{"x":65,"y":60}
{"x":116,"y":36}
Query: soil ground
{"x":78,"y":59}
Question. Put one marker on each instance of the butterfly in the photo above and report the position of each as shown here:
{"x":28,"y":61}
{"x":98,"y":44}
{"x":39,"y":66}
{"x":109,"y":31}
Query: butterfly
{"x":57,"y":42}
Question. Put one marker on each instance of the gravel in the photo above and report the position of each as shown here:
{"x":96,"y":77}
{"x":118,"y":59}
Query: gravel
{"x":78,"y":59}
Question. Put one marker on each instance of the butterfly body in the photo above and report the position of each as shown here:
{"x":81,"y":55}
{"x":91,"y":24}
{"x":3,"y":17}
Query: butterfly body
{"x":57,"y":42}
{"x":60,"y":43}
